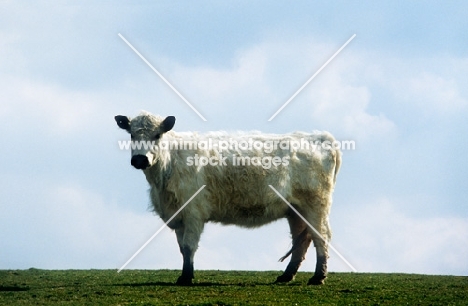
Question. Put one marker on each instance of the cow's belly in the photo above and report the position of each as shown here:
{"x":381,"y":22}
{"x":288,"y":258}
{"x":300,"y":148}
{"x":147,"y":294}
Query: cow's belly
{"x":252,"y":216}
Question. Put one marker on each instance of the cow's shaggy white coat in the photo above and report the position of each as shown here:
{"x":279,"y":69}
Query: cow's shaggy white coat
{"x":236,"y":194}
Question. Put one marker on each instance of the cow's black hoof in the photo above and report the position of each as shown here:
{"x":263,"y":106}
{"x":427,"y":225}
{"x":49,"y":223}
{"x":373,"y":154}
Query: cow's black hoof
{"x":316,"y":281}
{"x":184,"y":281}
{"x":284,"y":278}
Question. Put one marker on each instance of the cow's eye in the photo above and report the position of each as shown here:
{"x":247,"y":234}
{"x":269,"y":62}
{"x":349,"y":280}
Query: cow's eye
{"x":157,"y":136}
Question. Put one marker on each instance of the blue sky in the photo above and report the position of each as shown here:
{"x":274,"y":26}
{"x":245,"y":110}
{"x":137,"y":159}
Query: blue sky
{"x":70,"y":199}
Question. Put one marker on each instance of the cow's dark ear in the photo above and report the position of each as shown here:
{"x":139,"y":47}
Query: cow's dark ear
{"x":168,"y":123}
{"x":123,"y":122}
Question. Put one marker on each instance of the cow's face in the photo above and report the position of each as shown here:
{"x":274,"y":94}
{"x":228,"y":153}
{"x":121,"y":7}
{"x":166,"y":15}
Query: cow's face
{"x":146,"y":130}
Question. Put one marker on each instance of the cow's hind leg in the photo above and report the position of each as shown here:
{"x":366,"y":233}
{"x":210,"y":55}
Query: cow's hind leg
{"x":319,"y":220}
{"x":321,"y":265}
{"x":301,"y":240}
{"x":188,"y":238}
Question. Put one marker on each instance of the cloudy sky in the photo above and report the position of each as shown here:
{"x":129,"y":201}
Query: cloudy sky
{"x":70,"y":199}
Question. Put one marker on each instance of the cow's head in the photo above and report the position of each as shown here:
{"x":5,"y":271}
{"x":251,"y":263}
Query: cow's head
{"x":146,"y":130}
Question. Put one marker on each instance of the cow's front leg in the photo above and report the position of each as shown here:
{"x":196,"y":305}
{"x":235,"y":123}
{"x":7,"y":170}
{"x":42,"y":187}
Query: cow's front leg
{"x":188,"y":238}
{"x":187,"y":268}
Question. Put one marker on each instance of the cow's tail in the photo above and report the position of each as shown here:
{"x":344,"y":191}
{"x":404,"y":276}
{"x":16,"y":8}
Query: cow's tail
{"x":296,"y":243}
{"x":337,"y":165}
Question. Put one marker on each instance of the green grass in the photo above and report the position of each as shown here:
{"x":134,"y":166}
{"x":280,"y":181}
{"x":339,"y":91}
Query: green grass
{"x":144,"y":287}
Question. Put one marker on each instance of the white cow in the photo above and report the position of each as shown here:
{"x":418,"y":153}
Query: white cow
{"x":237,"y":182}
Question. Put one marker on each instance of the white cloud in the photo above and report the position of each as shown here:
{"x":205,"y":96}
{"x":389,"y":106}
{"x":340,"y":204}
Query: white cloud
{"x":381,"y":238}
{"x":427,"y":88}
{"x":436,"y":93}
{"x":41,"y":105}
{"x":220,"y":86}
{"x":64,"y":226}
{"x":265,"y":75}
{"x":343,"y":106}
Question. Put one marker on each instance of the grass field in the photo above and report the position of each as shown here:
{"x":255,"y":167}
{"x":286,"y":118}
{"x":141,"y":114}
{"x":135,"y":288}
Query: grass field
{"x":144,"y":287}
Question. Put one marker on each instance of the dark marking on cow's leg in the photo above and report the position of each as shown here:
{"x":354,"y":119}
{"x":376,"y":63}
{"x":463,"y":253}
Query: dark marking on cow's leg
{"x":187,"y":269}
{"x":301,"y":241}
{"x":290,"y":272}
{"x":188,"y":236}
{"x":320,"y":268}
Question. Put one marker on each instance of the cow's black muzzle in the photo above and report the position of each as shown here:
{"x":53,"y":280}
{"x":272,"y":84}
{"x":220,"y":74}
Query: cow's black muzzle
{"x":140,"y":162}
